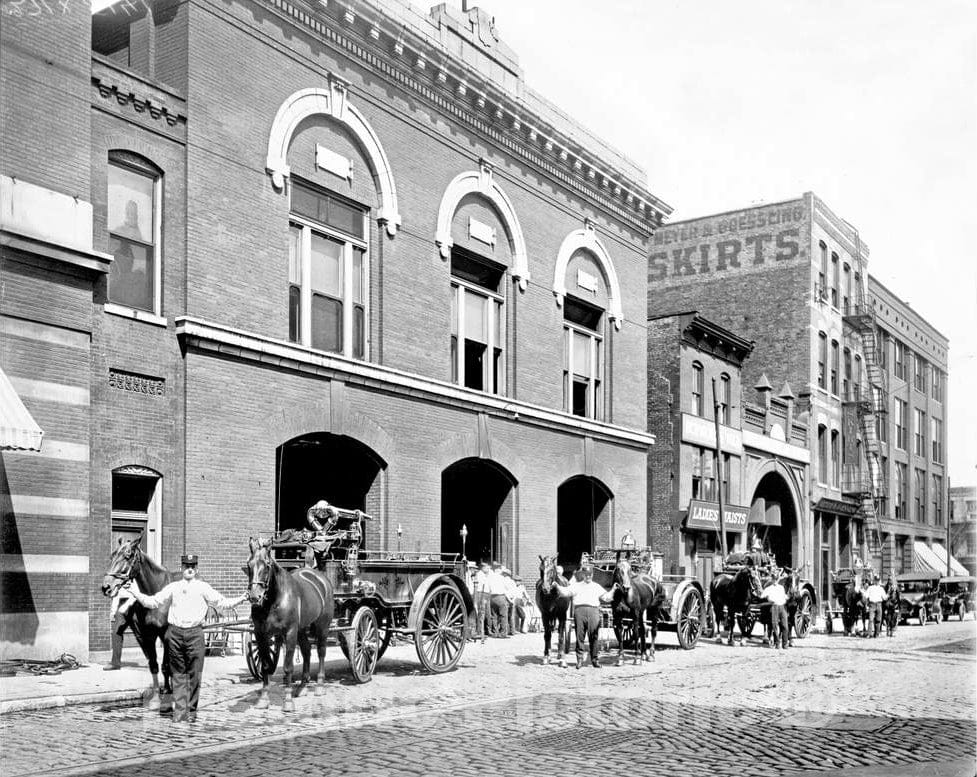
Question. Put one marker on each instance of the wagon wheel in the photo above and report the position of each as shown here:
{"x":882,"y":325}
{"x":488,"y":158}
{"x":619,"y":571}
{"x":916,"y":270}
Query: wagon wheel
{"x":804,"y":615}
{"x":386,"y":624}
{"x":362,"y":645}
{"x":746,"y":622}
{"x":625,"y":635}
{"x":440,"y":633}
{"x":829,"y":627}
{"x":922,"y":615}
{"x":688,"y":624}
{"x":253,"y":658}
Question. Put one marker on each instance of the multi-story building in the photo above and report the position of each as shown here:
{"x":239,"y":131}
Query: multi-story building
{"x":259,"y":253}
{"x":963,"y":526}
{"x":694,"y":379}
{"x":793,"y":278}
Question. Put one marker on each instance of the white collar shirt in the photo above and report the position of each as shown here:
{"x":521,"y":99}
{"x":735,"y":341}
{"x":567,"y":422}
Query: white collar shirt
{"x":876,"y":593}
{"x":775,"y":594}
{"x":495,"y":585}
{"x":188,"y":600}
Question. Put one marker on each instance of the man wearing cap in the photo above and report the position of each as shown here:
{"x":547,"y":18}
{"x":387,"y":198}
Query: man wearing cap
{"x":499,"y":601}
{"x":587,"y":597}
{"x":875,"y":595}
{"x":188,"y":598}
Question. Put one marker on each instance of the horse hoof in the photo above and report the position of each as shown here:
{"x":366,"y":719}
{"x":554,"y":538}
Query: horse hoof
{"x":320,"y":689}
{"x":563,"y":664}
{"x":619,"y":662}
{"x":288,"y":705}
{"x":262,"y":703}
{"x":153,"y":701}
{"x":546,"y":660}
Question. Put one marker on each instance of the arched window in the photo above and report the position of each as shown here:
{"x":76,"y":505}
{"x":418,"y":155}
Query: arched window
{"x":846,"y":291}
{"x":823,"y":454}
{"x":327,"y":271}
{"x":697,"y":387}
{"x":834,"y":279}
{"x":724,"y":398}
{"x":134,"y":197}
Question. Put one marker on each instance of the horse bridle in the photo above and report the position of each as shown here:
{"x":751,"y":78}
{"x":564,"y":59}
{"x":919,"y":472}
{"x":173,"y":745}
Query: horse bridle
{"x":262,"y":584}
{"x":132,"y":556}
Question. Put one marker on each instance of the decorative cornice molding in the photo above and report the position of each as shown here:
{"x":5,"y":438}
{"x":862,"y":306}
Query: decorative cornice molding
{"x":216,"y":338}
{"x":139,"y":103}
{"x":461,"y":91}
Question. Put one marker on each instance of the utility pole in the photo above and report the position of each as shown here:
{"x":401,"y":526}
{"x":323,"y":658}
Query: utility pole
{"x":719,"y":471}
{"x":949,"y":519}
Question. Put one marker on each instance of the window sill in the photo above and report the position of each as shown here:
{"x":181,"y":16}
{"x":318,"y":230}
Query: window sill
{"x":136,"y":315}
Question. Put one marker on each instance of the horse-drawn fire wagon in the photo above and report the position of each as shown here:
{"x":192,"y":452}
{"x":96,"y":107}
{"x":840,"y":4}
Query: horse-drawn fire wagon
{"x":683,"y":606}
{"x":377,"y":594}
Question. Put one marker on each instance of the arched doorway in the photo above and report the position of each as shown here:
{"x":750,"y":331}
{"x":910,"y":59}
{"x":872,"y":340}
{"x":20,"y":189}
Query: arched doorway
{"x":480,"y":495}
{"x":583,"y":519}
{"x":773,"y":500}
{"x":327,"y":466}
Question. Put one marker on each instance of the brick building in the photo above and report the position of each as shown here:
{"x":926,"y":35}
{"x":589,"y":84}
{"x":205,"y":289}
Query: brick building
{"x":266,"y":252}
{"x":963,"y":526}
{"x":793,"y":278}
{"x":763,"y":478}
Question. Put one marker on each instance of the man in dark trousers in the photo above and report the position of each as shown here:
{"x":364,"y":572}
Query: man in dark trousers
{"x":587,"y":597}
{"x":188,"y":598}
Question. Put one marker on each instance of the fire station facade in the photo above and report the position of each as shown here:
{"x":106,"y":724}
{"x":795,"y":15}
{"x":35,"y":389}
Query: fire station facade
{"x":303,"y":252}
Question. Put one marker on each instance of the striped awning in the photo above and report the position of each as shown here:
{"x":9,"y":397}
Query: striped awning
{"x":956,"y":568}
{"x":18,"y":429}
{"x":925,"y":560}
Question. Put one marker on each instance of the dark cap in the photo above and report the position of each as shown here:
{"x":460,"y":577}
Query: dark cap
{"x":189,"y":559}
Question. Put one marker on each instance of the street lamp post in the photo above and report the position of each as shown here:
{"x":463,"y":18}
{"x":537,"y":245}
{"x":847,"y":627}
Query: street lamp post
{"x":464,"y":536}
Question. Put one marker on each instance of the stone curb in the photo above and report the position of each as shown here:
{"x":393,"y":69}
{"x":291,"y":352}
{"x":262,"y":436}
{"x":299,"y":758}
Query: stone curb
{"x":49,"y":702}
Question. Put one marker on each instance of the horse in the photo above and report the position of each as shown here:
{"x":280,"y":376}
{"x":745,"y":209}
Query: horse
{"x":635,"y":594}
{"x":287,"y":607}
{"x":128,"y":563}
{"x":891,"y":606}
{"x":732,"y":593}
{"x":553,"y":608}
{"x":853,"y":608}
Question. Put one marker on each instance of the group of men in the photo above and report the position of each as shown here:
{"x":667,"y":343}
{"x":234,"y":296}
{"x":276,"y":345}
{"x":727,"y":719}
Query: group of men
{"x":500,"y":600}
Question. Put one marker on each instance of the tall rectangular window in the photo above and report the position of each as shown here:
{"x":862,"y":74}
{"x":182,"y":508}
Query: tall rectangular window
{"x":857,"y":379}
{"x":936,"y":439}
{"x":583,"y":359}
{"x":846,"y":386}
{"x":919,"y":373}
{"x":134,"y":196}
{"x":698,"y":381}
{"x":882,"y":347}
{"x":919,"y":495}
{"x":919,"y":433}
{"x":822,"y":360}
{"x":936,"y":384}
{"x":902,"y":433}
{"x":834,"y":366}
{"x":327,"y":272}
{"x":937,"y":497}
{"x":823,"y":273}
{"x":823,"y":455}
{"x":724,"y":398}
{"x":846,"y":291}
{"x":899,"y":359}
{"x":704,"y":474}
{"x":477,"y":324}
{"x":834,"y":279}
{"x":835,"y":459}
{"x":901,"y":476}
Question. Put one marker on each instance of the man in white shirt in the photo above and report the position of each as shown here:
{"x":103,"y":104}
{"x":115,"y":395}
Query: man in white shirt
{"x":495,"y":585}
{"x":188,"y":598}
{"x":875,"y":594}
{"x":779,"y":627}
{"x":587,"y":597}
{"x":118,"y":614}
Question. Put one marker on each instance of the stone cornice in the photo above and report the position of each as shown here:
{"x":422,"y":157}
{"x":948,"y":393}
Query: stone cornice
{"x":145,"y":97}
{"x":362,"y":31}
{"x":217,"y":338}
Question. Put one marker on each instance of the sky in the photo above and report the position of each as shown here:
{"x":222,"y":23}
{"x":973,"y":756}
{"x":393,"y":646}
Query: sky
{"x":870,"y":104}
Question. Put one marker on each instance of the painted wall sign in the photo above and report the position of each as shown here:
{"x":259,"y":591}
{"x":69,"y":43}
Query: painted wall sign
{"x":333,"y":163}
{"x":587,"y":281}
{"x":702,"y":431}
{"x":728,"y":242}
{"x":480,"y":231}
{"x":704,"y":516}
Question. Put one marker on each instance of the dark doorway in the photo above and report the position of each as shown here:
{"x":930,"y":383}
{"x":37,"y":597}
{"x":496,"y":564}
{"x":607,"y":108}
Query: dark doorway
{"x":327,"y":466}
{"x":479,"y":495}
{"x":780,"y":541}
{"x":582,"y":520}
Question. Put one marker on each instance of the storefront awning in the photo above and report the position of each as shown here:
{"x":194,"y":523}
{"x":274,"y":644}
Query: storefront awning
{"x":704,"y":516}
{"x":18,"y":430}
{"x":956,"y":568}
{"x":925,"y":560}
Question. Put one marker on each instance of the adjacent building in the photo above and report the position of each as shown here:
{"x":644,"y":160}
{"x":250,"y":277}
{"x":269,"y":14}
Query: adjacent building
{"x":963,"y":526}
{"x":694,"y":379}
{"x":792,"y":277}
{"x":263,"y":252}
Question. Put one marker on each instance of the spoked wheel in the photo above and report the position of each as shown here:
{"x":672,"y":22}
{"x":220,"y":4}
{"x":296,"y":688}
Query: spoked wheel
{"x":363,"y":644}
{"x":804,"y":615}
{"x":440,"y":634}
{"x":689,"y":623}
{"x":253,"y":657}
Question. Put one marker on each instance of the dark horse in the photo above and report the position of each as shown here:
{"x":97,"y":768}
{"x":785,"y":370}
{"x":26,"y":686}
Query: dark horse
{"x":287,"y":607}
{"x":891,"y":606}
{"x":853,"y":608}
{"x":636,"y":594}
{"x":731,"y":594}
{"x":552,"y":608}
{"x":128,"y":562}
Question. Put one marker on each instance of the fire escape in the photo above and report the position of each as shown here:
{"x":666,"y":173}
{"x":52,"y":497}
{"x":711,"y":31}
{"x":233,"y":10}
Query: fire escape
{"x":870,"y":409}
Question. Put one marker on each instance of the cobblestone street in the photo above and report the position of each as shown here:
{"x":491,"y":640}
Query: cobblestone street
{"x":829,"y":703}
